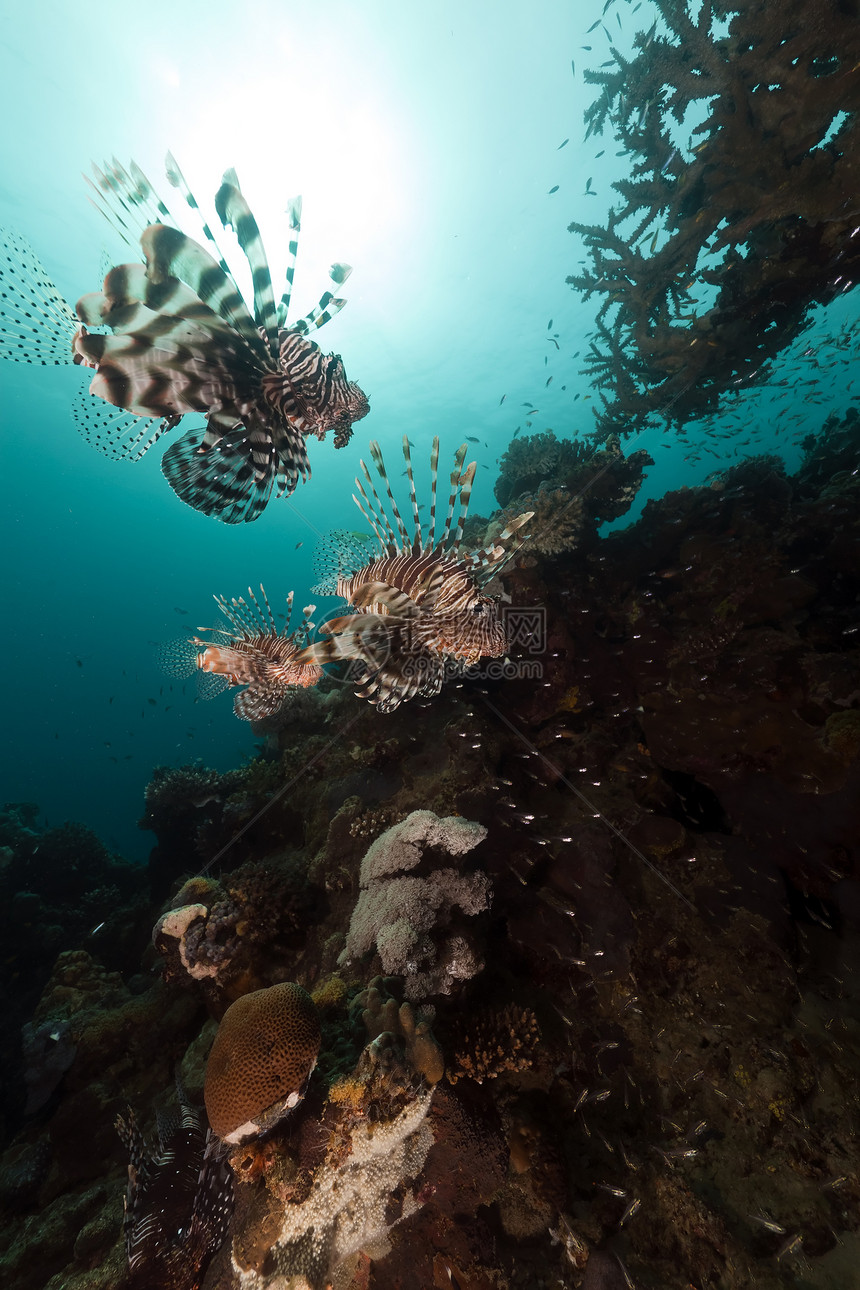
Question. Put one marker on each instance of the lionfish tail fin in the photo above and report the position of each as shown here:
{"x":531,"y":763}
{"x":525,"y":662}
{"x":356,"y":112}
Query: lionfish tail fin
{"x":234,"y":212}
{"x":340,"y":554}
{"x":37,"y":324}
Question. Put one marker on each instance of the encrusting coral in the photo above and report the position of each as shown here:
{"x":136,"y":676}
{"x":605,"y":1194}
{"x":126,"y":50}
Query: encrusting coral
{"x":398,"y":911}
{"x":264,"y":1052}
{"x":367,"y":1182}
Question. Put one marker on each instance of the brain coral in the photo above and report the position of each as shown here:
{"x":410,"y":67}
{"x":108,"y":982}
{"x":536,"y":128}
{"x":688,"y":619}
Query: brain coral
{"x":264,"y":1051}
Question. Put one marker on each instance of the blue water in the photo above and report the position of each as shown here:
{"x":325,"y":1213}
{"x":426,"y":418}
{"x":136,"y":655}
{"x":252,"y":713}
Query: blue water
{"x":425,"y":141}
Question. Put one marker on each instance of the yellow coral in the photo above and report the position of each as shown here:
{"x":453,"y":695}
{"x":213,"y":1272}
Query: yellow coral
{"x":330,"y":993}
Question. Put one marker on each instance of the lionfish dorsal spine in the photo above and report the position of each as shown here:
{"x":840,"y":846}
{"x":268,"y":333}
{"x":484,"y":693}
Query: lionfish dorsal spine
{"x":416,"y":518}
{"x":466,"y":481}
{"x":127,"y":202}
{"x":376,"y":454}
{"x":490,"y":560}
{"x":434,"y":473}
{"x":267,"y":617}
{"x":177,"y":180}
{"x":294,"y":215}
{"x":289,"y":617}
{"x":234,"y":212}
{"x":323,"y":311}
{"x":377,"y":509}
{"x":456,"y":481}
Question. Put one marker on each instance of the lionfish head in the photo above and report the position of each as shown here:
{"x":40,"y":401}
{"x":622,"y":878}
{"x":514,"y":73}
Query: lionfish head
{"x":465,"y":634}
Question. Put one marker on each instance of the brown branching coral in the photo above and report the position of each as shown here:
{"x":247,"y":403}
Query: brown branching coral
{"x":762,"y":220}
{"x":571,"y":485}
{"x":496,"y":1042}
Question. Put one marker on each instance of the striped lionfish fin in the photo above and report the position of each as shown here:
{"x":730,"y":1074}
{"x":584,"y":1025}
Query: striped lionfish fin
{"x":376,"y":454}
{"x":490,"y":560}
{"x":323,"y":311}
{"x":225,"y":469}
{"x":459,"y":458}
{"x":434,"y":471}
{"x":418,"y":542}
{"x":169,"y":254}
{"x":257,"y":702}
{"x":466,"y":481}
{"x":395,"y":601}
{"x":234,"y":212}
{"x":294,"y":215}
{"x":126,"y":199}
{"x":340,"y":554}
{"x":178,"y":181}
{"x":120,"y":435}
{"x":36,"y":324}
{"x":375,"y":513}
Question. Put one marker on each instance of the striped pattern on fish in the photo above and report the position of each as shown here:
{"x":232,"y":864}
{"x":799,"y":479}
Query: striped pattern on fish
{"x":417,"y":605}
{"x":254,"y":653}
{"x":179,"y":1200}
{"x":182,"y":340}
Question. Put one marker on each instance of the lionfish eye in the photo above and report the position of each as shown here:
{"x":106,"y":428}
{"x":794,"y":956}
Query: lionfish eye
{"x":479,"y":608}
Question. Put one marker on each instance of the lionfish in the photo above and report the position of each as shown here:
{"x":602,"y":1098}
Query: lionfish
{"x":181,"y":339}
{"x":255,"y":653}
{"x":417,"y":603}
{"x":179,"y":1199}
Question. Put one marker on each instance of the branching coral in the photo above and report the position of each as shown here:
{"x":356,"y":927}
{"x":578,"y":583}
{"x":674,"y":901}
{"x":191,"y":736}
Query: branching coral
{"x":571,"y":485}
{"x":763,"y":215}
{"x":398,"y":912}
{"x":496,"y":1042}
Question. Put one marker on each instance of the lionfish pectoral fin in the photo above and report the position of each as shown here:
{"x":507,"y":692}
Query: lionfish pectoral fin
{"x":118,"y":434}
{"x":391,"y":598}
{"x":219,"y":470}
{"x":37,"y":324}
{"x":178,"y":657}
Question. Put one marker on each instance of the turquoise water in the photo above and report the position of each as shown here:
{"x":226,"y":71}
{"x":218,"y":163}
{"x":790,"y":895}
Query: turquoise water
{"x":426,"y":143}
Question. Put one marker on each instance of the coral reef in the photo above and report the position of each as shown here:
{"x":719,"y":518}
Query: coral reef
{"x":235,"y":933}
{"x":757,"y":219}
{"x":654,"y":1076}
{"x":262,"y":1058}
{"x":397,"y":913}
{"x":571,"y":485}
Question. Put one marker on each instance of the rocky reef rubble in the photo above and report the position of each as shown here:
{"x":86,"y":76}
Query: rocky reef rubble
{"x":650,"y":1070}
